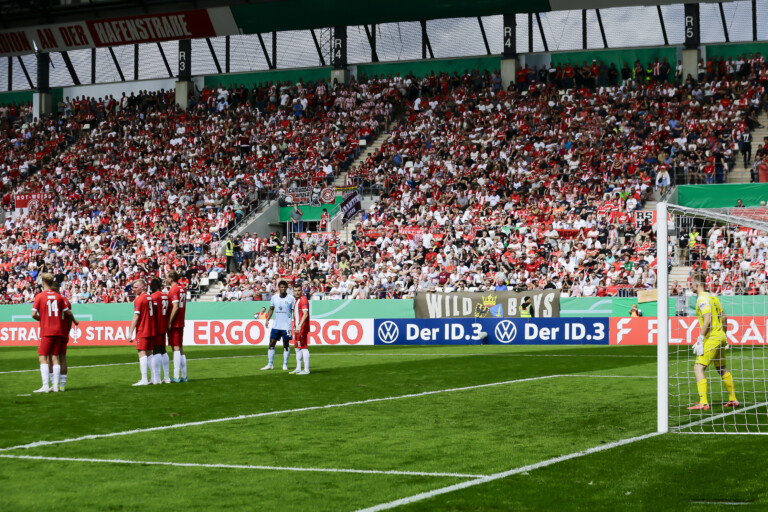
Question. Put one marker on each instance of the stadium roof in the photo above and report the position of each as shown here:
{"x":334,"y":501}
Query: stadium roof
{"x":58,"y":25}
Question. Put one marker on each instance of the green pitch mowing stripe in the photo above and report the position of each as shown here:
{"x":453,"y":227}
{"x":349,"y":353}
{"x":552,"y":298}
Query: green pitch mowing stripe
{"x":504,"y":474}
{"x":232,"y":387}
{"x":480,"y":430}
{"x":668,"y":472}
{"x":33,"y":486}
{"x":239,"y":466}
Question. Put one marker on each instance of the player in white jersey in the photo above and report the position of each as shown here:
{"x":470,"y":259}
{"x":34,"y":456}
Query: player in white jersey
{"x":282,"y":307}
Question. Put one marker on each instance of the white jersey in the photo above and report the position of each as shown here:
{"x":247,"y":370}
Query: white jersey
{"x":282,"y":314}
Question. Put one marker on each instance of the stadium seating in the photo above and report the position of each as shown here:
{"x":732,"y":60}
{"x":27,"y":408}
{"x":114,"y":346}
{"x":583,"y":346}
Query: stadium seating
{"x":480,"y":187}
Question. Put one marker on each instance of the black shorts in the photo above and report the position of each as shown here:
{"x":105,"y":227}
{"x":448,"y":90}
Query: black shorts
{"x":276,"y":334}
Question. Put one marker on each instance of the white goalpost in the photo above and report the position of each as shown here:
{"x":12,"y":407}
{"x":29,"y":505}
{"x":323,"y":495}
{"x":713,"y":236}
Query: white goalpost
{"x":728,"y":248}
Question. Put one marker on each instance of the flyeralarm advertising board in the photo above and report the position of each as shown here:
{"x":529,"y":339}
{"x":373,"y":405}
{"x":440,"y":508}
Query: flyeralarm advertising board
{"x":742,"y":330}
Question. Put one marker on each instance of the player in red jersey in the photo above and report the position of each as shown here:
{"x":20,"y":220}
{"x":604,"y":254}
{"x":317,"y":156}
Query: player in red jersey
{"x":51,"y":310}
{"x":143,"y":326}
{"x":178,"y":297}
{"x":64,"y":340}
{"x":301,"y":329}
{"x":162,"y":307}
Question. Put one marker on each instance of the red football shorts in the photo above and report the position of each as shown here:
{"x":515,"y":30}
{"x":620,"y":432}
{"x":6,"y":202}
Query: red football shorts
{"x":176,"y":337}
{"x":301,"y":339}
{"x":145,"y":343}
{"x":49,"y":346}
{"x":159,"y":340}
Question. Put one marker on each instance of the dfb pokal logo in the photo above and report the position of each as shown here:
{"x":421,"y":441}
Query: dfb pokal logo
{"x":388,"y":332}
{"x":75,"y":332}
{"x":505,"y":331}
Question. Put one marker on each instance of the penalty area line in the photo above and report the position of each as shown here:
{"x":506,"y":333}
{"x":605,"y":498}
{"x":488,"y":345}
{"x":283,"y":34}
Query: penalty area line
{"x":37,"y":444}
{"x":273,"y":413}
{"x":241,"y":466}
{"x":505,"y":474}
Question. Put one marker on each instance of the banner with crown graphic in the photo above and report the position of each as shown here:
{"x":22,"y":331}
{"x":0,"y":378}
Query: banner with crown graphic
{"x":546,"y":303}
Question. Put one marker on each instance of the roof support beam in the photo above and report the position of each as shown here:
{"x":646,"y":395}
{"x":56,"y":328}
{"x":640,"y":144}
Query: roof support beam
{"x":663,"y":26}
{"x":43,"y":72}
{"x":584,"y":29}
{"x":227,"y":57}
{"x":754,"y":20}
{"x":10,"y":73}
{"x":485,"y":37}
{"x":70,"y":68}
{"x":266,"y":53}
{"x":135,"y":61}
{"x":213,"y":54}
{"x":274,"y":50}
{"x":722,"y":19}
{"x":117,"y":64}
{"x":426,"y":46}
{"x":530,"y":32}
{"x":541,"y":32}
{"x":165,"y":60}
{"x":26,"y":73}
{"x":602,"y":30}
{"x":93,"y":65}
{"x":317,"y":47}
{"x":371,"y":35}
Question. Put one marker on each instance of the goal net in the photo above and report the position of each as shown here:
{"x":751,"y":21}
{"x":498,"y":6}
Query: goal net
{"x":726,"y":250}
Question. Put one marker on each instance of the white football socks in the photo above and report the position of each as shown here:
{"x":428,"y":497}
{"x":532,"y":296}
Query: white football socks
{"x":166,"y":366}
{"x":44,"y":374}
{"x":305,"y":354}
{"x":143,"y":367}
{"x":176,"y":363}
{"x":56,"y":375}
{"x":151,"y":365}
{"x":63,"y":380}
{"x":270,"y":355}
{"x":183,"y":366}
{"x":286,"y":356}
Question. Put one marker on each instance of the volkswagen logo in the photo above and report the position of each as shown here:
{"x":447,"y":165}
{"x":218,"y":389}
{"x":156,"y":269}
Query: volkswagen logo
{"x":388,"y":332}
{"x":505,"y":331}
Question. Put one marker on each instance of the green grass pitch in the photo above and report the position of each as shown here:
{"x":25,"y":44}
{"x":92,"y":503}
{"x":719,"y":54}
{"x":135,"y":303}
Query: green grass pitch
{"x":414,"y":428}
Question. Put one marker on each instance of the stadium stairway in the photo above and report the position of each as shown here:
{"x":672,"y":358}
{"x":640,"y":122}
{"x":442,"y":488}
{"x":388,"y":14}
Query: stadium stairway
{"x":741,"y":174}
{"x":254,"y":221}
{"x":679,"y":275}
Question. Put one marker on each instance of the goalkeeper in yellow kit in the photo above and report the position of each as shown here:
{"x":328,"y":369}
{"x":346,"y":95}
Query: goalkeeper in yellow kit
{"x":711,"y":345}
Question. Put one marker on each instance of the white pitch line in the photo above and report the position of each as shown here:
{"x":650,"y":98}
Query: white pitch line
{"x":716,"y":417}
{"x":724,"y":433}
{"x":303,"y":409}
{"x":272,"y":413}
{"x":504,"y":474}
{"x":242,"y":466}
{"x":380,"y":354}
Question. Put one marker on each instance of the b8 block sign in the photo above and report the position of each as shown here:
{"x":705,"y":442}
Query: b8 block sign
{"x":504,"y":331}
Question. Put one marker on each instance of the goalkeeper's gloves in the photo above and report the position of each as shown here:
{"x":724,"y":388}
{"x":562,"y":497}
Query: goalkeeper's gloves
{"x":698,"y":347}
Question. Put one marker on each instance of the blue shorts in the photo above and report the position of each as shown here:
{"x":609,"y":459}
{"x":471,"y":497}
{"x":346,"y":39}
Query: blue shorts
{"x":276,"y":334}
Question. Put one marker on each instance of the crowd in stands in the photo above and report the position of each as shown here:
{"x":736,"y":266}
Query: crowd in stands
{"x":480,"y":187}
{"x":148,"y":187}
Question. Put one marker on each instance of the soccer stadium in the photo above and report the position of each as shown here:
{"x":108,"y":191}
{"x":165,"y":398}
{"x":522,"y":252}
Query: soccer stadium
{"x":343,"y":256}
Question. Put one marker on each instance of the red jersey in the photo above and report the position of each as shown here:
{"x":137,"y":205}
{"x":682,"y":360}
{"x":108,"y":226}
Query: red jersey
{"x":51,"y":307}
{"x":162,"y":309}
{"x":178,"y":295}
{"x":142,"y":306}
{"x":299,"y":307}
